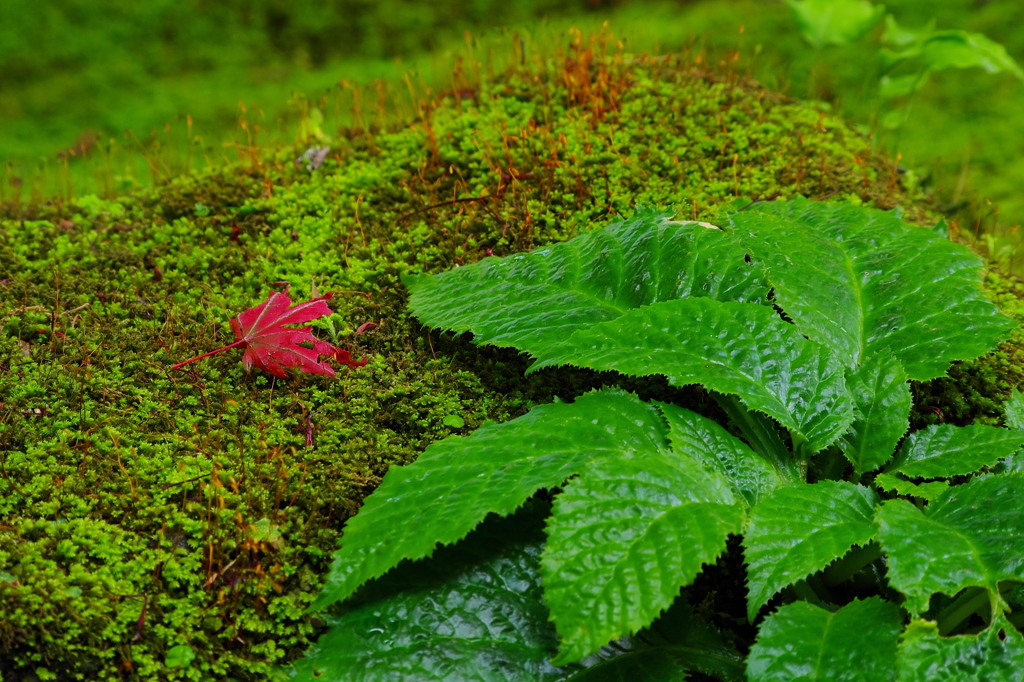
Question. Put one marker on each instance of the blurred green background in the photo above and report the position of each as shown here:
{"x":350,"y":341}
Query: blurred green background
{"x":102,"y":96}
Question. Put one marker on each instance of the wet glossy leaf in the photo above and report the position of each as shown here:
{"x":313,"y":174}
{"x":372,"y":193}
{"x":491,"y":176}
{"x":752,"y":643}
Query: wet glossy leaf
{"x":802,"y":529}
{"x":456,"y":482}
{"x":882,"y":401}
{"x":926,"y":491}
{"x":944,"y":450}
{"x":624,"y":537}
{"x":859,"y":280}
{"x":973,"y":535}
{"x":472,"y":612}
{"x":802,"y":642}
{"x":1014,"y":410}
{"x":535,"y":301}
{"x":1012,"y":465}
{"x":994,"y":655}
{"x":696,"y":436}
{"x":736,"y":348}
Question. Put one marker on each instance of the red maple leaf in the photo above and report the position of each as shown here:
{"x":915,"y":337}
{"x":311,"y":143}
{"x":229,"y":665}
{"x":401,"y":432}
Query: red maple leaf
{"x":272,"y":347}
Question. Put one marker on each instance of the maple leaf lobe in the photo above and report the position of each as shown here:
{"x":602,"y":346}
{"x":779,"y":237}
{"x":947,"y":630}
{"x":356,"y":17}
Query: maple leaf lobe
{"x":274,"y":347}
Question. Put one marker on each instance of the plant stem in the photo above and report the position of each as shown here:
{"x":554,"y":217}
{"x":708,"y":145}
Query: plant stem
{"x":830,"y":464}
{"x":962,"y":607}
{"x":761,"y":434}
{"x":212,"y":352}
{"x":845,"y":568}
{"x":725,"y":660}
{"x":825,"y":595}
{"x":803,"y":590}
{"x":906,"y":108}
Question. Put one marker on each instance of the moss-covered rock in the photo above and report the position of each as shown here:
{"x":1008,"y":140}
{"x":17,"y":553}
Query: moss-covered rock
{"x":149,"y":514}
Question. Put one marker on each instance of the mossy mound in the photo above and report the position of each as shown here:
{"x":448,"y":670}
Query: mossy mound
{"x":163,"y":524}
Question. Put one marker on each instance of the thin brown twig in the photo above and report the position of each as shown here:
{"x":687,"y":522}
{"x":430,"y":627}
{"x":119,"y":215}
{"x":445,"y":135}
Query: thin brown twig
{"x":443,"y":203}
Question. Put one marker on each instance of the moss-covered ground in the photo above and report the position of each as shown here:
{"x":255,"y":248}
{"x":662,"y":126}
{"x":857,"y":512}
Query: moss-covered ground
{"x":159,"y":524}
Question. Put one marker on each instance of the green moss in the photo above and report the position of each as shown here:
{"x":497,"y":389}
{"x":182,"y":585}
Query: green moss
{"x":146,"y":510}
{"x":975,"y":390}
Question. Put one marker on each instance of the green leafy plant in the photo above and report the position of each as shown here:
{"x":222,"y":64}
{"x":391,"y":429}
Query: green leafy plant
{"x":834,"y":22}
{"x":912,"y":55}
{"x":864,"y":557}
{"x":935,"y":50}
{"x":909,"y":56}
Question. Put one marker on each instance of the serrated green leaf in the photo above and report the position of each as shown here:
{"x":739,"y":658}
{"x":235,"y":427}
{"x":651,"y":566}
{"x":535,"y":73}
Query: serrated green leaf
{"x":813,"y":278}
{"x":926,"y":491}
{"x":834,"y":22}
{"x":802,"y":642}
{"x":692,"y":435}
{"x":472,"y":612}
{"x":1013,"y":411}
{"x":801,"y":529}
{"x":944,"y":450}
{"x":646,"y":665}
{"x":973,"y":535}
{"x":882,"y":400}
{"x":995,"y":655}
{"x":624,"y":537}
{"x":1014,"y":464}
{"x":456,"y":482}
{"x":535,"y":301}
{"x":735,"y":348}
{"x":859,"y":280}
